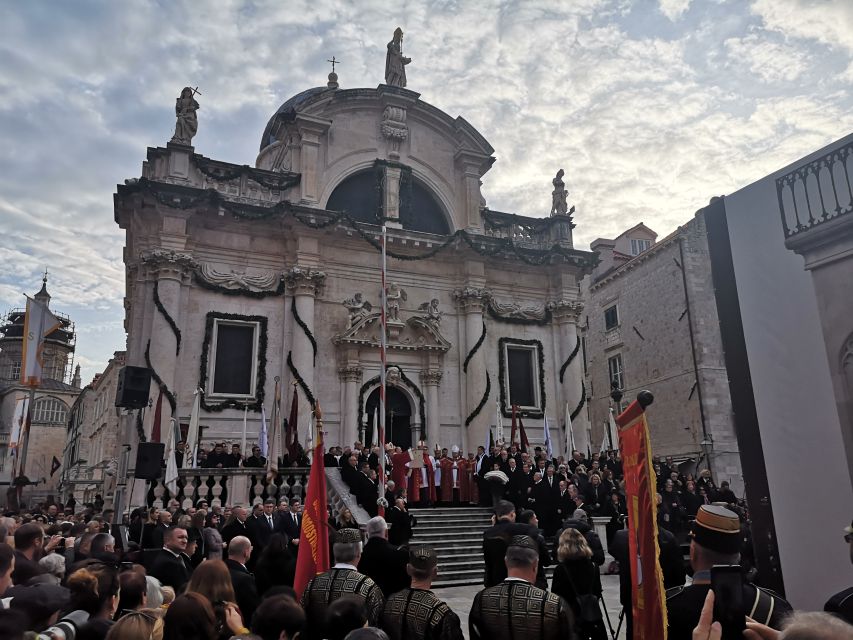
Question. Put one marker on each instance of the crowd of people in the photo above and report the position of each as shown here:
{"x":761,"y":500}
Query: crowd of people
{"x":215,"y":572}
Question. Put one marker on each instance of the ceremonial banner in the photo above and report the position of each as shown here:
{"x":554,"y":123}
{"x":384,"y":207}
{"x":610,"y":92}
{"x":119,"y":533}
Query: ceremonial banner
{"x":263,"y":437}
{"x":549,"y":448}
{"x":513,"y":429}
{"x":647,"y":592}
{"x":275,"y":428}
{"x":191,"y":446}
{"x":39,"y":323}
{"x":525,"y":443}
{"x":290,"y":430}
{"x":570,"y":434}
{"x":171,"y":477}
{"x":313,"y":555}
{"x":158,"y":418}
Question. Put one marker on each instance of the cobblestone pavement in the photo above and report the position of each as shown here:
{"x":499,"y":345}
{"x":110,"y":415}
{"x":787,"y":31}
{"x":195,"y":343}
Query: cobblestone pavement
{"x":459,"y":599}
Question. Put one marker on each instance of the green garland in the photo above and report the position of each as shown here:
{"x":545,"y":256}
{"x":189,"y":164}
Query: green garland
{"x":300,"y":381}
{"x":578,"y":408}
{"x":248,"y":293}
{"x":262,"y":362}
{"x":506,"y":410}
{"x":485,"y":246}
{"x":474,"y":349}
{"x":527,"y":321}
{"x":173,"y":403}
{"x":277,"y":181}
{"x":483,"y":401}
{"x":408,"y":382}
{"x":569,"y":359}
{"x":169,"y":320}
{"x":304,"y":327}
{"x":140,"y":430}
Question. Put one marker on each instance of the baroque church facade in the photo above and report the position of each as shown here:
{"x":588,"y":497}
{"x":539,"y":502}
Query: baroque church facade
{"x":238,"y":276}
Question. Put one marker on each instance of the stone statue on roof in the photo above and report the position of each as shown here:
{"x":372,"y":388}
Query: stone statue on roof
{"x":559,"y":206}
{"x":186,"y":125}
{"x":395,"y":61}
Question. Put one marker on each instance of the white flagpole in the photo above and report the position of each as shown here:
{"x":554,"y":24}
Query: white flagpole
{"x":171,"y":477}
{"x":549,"y":449}
{"x":383,"y":330}
{"x":570,"y":433}
{"x":263,"y":437}
{"x":191,"y":453}
{"x":243,"y":441}
{"x":499,"y":424}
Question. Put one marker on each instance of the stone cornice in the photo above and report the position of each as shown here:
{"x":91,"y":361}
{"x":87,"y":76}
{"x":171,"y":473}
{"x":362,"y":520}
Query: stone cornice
{"x":167,"y":263}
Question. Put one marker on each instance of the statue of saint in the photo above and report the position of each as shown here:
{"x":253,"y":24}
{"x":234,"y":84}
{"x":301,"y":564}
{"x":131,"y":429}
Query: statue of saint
{"x":558,"y":196}
{"x":186,"y":125}
{"x":393,"y":295}
{"x":395,"y":61}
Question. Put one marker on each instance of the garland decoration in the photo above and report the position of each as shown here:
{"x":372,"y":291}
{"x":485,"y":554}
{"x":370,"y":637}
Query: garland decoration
{"x":274,"y":181}
{"x":510,"y":320}
{"x":483,"y":401}
{"x":173,"y":403}
{"x":177,"y":197}
{"x":578,"y":408}
{"x":248,"y":293}
{"x":569,"y":359}
{"x":169,"y":320}
{"x":474,"y":349}
{"x":140,"y":430}
{"x":262,"y":362}
{"x":504,"y":392}
{"x":408,"y":382}
{"x":300,"y":381}
{"x":304,"y":328}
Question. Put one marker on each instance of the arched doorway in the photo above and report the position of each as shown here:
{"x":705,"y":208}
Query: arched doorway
{"x":398,"y":417}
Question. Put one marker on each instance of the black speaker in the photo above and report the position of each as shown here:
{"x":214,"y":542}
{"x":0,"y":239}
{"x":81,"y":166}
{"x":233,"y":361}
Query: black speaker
{"x":149,"y":460}
{"x":134,"y":384}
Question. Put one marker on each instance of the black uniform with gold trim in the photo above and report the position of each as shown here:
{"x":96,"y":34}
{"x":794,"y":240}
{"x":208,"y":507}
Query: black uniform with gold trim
{"x":517,"y":610}
{"x":331,"y":585}
{"x":417,"y":614}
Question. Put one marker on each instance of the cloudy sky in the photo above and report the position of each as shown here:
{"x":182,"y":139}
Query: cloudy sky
{"x":652,"y":107}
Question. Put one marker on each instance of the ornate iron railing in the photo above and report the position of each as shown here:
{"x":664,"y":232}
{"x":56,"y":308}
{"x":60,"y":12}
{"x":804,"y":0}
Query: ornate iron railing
{"x":816,"y":192}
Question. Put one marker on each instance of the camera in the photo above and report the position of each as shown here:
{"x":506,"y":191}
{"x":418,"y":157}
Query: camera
{"x":65,"y":629}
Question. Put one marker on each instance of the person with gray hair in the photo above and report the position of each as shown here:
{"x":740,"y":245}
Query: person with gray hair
{"x":382,"y":561}
{"x":516,"y":609}
{"x":53,"y":565}
{"x":239,"y":552}
{"x":342,"y":579}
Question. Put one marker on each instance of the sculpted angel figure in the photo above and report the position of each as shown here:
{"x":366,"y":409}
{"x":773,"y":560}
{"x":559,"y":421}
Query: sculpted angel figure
{"x":431,"y":312}
{"x":393,"y":295}
{"x":395,"y":61}
{"x":357,"y":308}
{"x":186,"y":125}
{"x":558,"y":196}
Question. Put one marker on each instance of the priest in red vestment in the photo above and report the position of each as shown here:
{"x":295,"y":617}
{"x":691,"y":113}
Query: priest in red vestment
{"x":423,"y":478}
{"x":448,"y":478}
{"x":400,"y":467}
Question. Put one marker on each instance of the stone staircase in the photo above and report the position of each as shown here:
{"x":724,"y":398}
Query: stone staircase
{"x":456,"y":534}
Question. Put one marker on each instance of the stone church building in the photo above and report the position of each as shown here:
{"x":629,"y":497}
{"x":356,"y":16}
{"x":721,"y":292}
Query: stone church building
{"x":239,"y":275}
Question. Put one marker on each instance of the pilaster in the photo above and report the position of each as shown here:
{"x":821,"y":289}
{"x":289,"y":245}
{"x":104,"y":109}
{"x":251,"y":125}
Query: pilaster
{"x":471,"y":301}
{"x":566,"y":313}
{"x":350,"y":376}
{"x":304,"y":285}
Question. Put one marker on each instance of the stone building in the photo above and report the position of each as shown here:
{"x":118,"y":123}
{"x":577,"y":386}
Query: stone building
{"x":53,"y":398}
{"x":90,"y":458}
{"x":650,"y":322}
{"x":237,"y":276}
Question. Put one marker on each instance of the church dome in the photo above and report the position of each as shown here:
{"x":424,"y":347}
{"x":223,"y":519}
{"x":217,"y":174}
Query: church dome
{"x":289,"y":108}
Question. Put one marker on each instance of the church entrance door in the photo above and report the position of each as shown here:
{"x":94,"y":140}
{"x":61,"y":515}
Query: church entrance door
{"x":398,"y":417}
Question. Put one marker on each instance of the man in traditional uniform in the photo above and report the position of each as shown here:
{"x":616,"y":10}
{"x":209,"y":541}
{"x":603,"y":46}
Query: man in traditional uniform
{"x":716,"y":540}
{"x":515,"y":609}
{"x":496,"y":539}
{"x":416,"y":613}
{"x":341,"y":580}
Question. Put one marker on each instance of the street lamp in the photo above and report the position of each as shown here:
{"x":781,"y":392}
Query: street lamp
{"x":707,"y":445}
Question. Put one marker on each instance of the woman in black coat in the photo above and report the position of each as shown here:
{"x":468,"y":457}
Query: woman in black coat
{"x":276,"y":564}
{"x":577,"y":581}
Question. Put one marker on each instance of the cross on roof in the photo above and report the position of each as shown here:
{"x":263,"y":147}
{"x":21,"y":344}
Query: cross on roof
{"x":334,"y":61}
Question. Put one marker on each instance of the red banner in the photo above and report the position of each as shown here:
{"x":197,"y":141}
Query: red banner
{"x":313,"y":555}
{"x":647,"y":593}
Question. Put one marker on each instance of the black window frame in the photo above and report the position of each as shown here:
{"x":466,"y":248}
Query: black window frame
{"x":609,"y":326}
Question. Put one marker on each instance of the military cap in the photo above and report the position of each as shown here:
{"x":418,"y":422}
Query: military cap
{"x":348,"y":536}
{"x":717,"y":528}
{"x":525,"y":542}
{"x":423,"y":558}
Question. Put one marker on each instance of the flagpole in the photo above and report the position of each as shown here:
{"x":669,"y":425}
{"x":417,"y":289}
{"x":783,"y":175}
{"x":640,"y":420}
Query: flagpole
{"x":25,"y":433}
{"x":245,"y":420}
{"x":383,"y":331}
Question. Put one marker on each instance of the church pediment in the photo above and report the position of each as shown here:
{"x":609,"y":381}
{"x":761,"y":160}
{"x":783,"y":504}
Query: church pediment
{"x":417,"y":333}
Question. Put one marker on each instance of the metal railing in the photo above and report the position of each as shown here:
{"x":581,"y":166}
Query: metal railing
{"x":816,"y":192}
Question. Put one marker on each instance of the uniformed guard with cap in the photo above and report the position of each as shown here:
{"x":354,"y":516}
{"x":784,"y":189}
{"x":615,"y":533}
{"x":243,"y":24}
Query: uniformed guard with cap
{"x":342,"y":579}
{"x":716,"y":540}
{"x":416,"y":613}
{"x":515,"y":609}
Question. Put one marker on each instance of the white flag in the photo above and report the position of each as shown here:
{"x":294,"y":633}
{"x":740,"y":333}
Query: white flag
{"x":499,"y":424}
{"x":191,"y":452}
{"x":309,"y":437}
{"x":263,"y":441}
{"x":171,"y":477}
{"x":39,"y":322}
{"x":570,"y":434}
{"x":614,"y":431}
{"x":549,"y":450}
{"x":374,"y":437}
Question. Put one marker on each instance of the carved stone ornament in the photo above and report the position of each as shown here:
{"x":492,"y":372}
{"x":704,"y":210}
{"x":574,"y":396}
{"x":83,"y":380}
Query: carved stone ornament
{"x":350,"y":373}
{"x":394,"y":128}
{"x":303,"y":280}
{"x":393,"y":376}
{"x":186,"y":120}
{"x":515,"y":311}
{"x":566,"y":309}
{"x":472,"y":298}
{"x":429,"y":312}
{"x":267,"y":281}
{"x":393,"y":294}
{"x":415,"y":334}
{"x":168,"y":261}
{"x":358,"y":309}
{"x":431,"y":377}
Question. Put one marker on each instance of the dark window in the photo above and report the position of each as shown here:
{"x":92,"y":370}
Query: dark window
{"x":614,"y":367}
{"x":611,"y":318}
{"x":235,"y":362}
{"x":522,"y":372}
{"x":358,"y":195}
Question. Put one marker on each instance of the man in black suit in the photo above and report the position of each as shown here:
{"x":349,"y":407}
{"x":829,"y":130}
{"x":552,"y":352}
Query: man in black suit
{"x":382,"y":561}
{"x":291,"y":522}
{"x":164,"y":521}
{"x":402,"y":522}
{"x":239,"y":552}
{"x":546,"y":493}
{"x":497,"y":537}
{"x":256,"y":460}
{"x":171,"y":565}
{"x":265,"y":525}
{"x":237,"y":526}
{"x":329,"y":459}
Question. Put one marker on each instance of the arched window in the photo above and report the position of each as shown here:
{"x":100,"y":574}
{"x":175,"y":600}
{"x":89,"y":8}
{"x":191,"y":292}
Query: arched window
{"x":50,"y":410}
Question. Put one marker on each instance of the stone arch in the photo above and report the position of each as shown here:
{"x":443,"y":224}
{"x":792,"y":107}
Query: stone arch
{"x":409,"y":391}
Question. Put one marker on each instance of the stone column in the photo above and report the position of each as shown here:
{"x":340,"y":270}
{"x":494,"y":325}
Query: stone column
{"x":304,"y":285}
{"x":566,"y":313}
{"x":430,"y":379}
{"x":350,"y":375}
{"x":471,"y":302}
